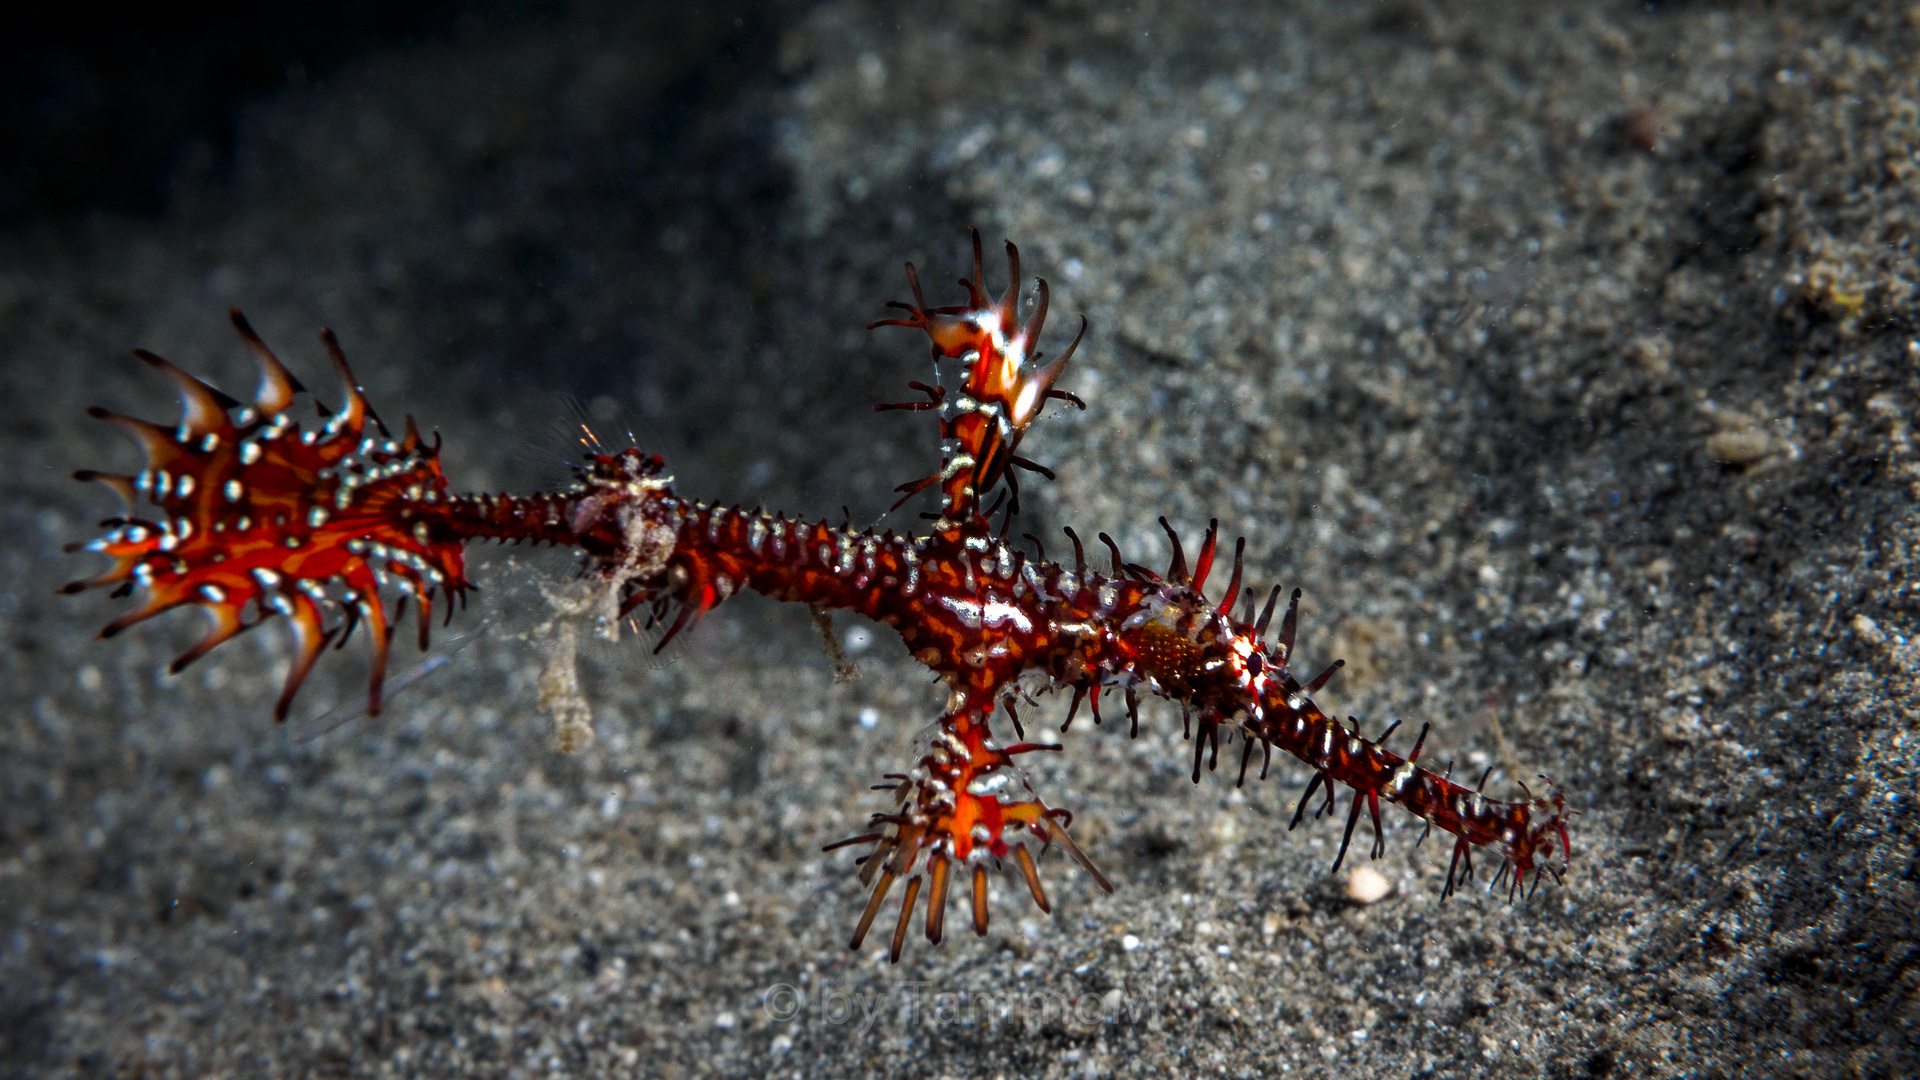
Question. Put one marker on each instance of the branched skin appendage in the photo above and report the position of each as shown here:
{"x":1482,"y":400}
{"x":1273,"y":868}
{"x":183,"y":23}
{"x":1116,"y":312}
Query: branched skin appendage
{"x":253,"y":517}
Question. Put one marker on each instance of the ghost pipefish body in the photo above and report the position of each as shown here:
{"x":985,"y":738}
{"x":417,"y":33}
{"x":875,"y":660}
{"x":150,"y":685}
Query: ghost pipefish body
{"x":245,"y":515}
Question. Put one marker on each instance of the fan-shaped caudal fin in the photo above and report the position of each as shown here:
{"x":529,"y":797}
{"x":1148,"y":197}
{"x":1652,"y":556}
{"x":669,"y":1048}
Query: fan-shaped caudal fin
{"x":238,"y":512}
{"x":226,"y":623}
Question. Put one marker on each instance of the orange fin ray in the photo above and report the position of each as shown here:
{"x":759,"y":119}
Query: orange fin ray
{"x":120,"y":571}
{"x":278,"y":387}
{"x":154,"y":439}
{"x":1010,"y":300}
{"x":203,"y":409}
{"x":1030,"y":333}
{"x":308,"y":639}
{"x":226,"y":624}
{"x":121,"y":483}
{"x":357,"y":412}
{"x":360,"y":577}
{"x":132,"y":618}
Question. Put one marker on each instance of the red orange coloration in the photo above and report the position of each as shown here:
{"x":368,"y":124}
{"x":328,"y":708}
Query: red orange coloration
{"x":1002,"y":395}
{"x":253,"y":512}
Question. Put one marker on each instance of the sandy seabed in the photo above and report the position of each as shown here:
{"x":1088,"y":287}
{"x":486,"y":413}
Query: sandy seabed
{"x":1563,"y":354}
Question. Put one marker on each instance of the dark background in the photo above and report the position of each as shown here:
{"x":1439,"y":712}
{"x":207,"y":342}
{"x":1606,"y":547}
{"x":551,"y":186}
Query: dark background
{"x":99,"y":104}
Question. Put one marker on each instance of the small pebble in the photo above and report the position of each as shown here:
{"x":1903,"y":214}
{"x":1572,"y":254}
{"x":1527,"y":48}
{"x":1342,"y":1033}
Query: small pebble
{"x":1367,"y":886}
